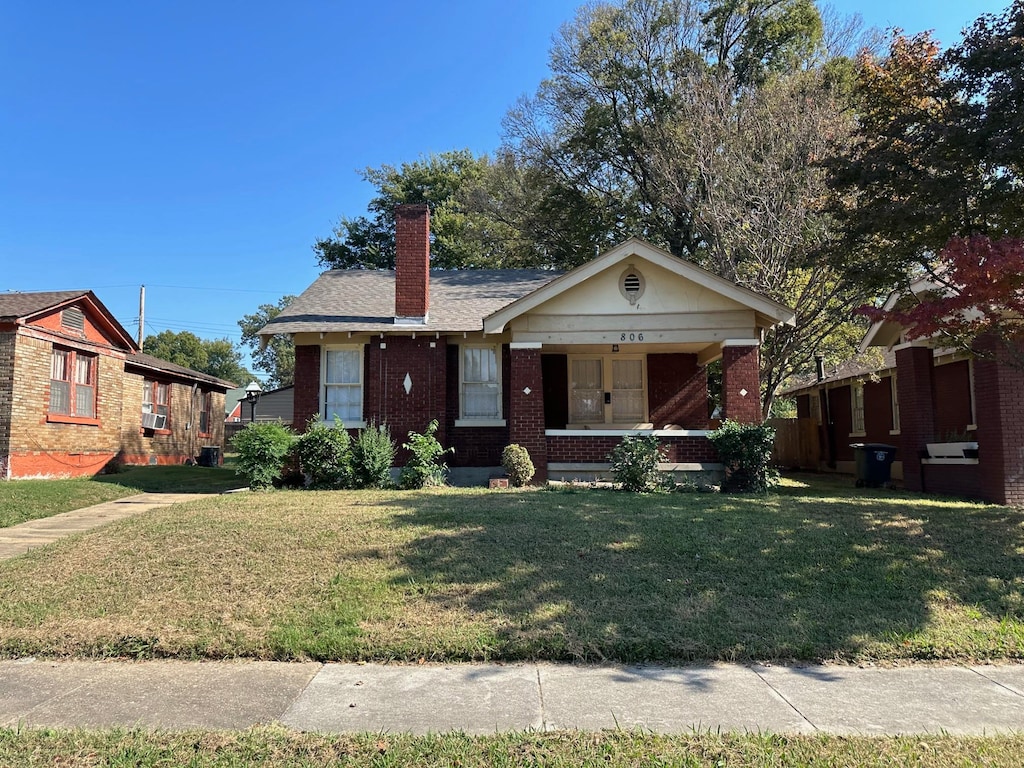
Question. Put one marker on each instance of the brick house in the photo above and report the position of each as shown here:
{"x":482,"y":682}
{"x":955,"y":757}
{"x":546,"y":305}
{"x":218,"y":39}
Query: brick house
{"x":76,"y":392}
{"x":957,"y":419}
{"x":564,"y":364}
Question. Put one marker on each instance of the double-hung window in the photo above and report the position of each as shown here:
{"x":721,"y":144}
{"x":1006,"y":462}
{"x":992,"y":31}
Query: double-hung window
{"x":206,"y":413}
{"x":156,"y":412}
{"x":857,"y":407}
{"x":480,"y":386}
{"x":72,"y":384}
{"x":343,"y":385}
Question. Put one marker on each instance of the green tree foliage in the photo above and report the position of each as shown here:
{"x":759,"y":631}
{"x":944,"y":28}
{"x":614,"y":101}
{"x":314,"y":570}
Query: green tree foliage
{"x":940,"y":147}
{"x":463,"y":237}
{"x":216,"y":357}
{"x":277,"y":358}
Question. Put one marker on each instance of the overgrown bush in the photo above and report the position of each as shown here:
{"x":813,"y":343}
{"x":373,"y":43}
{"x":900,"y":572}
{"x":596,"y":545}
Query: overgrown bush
{"x":518,"y":465}
{"x":262,"y":449}
{"x":324,"y":455}
{"x":635,"y":463}
{"x":425,"y":466}
{"x":373,"y":454}
{"x":746,"y":452}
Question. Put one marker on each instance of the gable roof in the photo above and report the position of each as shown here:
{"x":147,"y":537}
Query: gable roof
{"x":20,"y":308}
{"x":364,"y":300}
{"x":857,"y":366}
{"x":148,"y":362}
{"x":767,"y":312}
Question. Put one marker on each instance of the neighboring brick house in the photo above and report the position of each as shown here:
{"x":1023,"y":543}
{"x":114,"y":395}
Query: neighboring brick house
{"x":75,"y":392}
{"x":563,"y":364}
{"x":956,"y":419}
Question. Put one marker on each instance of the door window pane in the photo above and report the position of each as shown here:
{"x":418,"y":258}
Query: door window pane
{"x":586,"y":391}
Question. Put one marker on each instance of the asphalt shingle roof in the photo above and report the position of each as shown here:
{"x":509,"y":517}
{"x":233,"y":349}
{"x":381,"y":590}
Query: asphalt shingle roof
{"x":860,"y":365}
{"x":148,"y":361}
{"x":18,"y":305}
{"x":364,"y":300}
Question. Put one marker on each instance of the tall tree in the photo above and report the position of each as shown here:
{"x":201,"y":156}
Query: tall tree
{"x":277,"y":357}
{"x":462,"y":236}
{"x":216,"y":357}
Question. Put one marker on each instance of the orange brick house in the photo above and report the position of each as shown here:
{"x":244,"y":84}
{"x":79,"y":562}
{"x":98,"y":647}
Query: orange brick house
{"x":76,"y":392}
{"x":564,"y":364}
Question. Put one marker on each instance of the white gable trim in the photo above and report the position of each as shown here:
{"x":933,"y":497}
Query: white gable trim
{"x":770,"y":312}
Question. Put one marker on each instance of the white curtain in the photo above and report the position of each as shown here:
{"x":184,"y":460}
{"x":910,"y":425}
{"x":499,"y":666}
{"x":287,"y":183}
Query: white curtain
{"x":481,"y":393}
{"x":586,"y":388}
{"x":344,"y":396}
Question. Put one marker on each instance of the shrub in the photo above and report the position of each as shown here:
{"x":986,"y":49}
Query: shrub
{"x":373,"y":454}
{"x":635,"y":463}
{"x":746,"y":452}
{"x":262,"y":449}
{"x":518,"y":465}
{"x":424,"y":466}
{"x":324,"y":455}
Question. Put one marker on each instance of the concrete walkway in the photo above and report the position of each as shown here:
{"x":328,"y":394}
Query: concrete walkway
{"x":19,"y":539}
{"x":486,"y":698}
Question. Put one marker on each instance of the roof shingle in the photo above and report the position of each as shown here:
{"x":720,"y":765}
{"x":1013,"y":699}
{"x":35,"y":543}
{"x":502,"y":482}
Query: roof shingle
{"x":14,"y":306}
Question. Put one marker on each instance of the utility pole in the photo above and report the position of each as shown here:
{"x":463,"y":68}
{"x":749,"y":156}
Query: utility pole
{"x":142,"y":313}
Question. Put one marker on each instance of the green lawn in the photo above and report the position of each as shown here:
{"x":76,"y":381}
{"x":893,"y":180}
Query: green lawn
{"x":23,"y":500}
{"x":819,"y":571}
{"x":272,"y":747}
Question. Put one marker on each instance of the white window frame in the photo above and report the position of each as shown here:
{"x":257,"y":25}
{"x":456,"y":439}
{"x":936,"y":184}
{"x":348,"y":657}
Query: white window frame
{"x":857,"y":409}
{"x":322,"y":414}
{"x":463,"y":421}
{"x":607,"y":379}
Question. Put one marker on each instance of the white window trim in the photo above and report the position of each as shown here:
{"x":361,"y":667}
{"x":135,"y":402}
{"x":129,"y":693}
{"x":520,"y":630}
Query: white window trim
{"x":894,"y":395}
{"x":462,"y":421}
{"x":324,"y":349}
{"x":606,"y":360}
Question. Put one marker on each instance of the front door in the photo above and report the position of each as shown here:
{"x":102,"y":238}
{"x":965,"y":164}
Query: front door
{"x":607,"y":390}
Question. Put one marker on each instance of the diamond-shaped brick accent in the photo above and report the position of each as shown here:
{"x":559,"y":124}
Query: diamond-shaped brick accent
{"x":743,"y":393}
{"x":527,"y":391}
{"x":407,"y":384}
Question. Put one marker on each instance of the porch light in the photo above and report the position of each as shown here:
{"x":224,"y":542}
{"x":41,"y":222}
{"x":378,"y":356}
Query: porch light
{"x":252,"y":395}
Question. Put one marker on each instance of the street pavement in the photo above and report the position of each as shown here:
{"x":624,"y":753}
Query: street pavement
{"x":490,"y":698}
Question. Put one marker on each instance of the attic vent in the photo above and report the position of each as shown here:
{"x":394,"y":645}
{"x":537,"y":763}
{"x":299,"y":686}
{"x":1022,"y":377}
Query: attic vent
{"x":631,"y":285}
{"x":72,"y":319}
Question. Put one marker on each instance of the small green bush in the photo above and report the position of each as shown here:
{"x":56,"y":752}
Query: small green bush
{"x":262,"y":449}
{"x":373,"y":454}
{"x":635,"y":463}
{"x":518,"y":465}
{"x":746,"y":452}
{"x":425,"y":467}
{"x":324,"y":455}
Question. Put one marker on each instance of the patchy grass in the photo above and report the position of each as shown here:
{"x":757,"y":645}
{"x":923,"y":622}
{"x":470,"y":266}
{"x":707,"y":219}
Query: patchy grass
{"x":277,"y":747}
{"x":23,"y":500}
{"x":467,"y":574}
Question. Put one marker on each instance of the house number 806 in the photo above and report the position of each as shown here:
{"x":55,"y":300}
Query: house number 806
{"x":631,"y":337}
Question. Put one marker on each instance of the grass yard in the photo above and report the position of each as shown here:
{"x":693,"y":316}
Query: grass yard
{"x":272,"y":747}
{"x":818,"y":571}
{"x":23,"y":500}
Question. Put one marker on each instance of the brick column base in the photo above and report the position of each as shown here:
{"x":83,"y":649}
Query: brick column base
{"x":915,"y":388}
{"x":526,"y":409}
{"x":306,"y":395}
{"x":998,"y":385}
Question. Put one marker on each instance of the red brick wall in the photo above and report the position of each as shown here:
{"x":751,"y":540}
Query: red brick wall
{"x":581,"y":449}
{"x":878,"y":411}
{"x":307,"y":385}
{"x":677,"y":391}
{"x":412,"y":260}
{"x":740,"y":371}
{"x":914,"y":379}
{"x":953,"y":480}
{"x":385,"y":399}
{"x":526,"y":411}
{"x":1000,"y":409}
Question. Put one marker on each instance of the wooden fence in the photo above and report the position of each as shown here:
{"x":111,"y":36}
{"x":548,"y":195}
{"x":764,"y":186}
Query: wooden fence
{"x":797,"y":443}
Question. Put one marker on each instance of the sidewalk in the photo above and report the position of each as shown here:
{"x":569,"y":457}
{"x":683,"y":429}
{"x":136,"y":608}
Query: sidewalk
{"x":19,"y":539}
{"x":487,"y":698}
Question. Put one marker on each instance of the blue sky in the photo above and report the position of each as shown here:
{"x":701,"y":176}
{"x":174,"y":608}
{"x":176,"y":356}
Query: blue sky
{"x":200,"y":148}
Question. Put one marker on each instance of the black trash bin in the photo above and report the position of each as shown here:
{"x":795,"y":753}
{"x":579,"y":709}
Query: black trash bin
{"x":209,"y":456}
{"x":874,"y":463}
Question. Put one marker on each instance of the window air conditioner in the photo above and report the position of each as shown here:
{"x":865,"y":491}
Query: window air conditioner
{"x":153,"y":421}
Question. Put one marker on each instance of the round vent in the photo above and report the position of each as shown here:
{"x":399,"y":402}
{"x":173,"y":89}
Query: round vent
{"x":631,"y":284}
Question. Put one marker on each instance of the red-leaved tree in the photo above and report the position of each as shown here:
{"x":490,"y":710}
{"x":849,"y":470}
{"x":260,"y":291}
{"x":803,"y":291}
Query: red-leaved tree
{"x":979,"y":289}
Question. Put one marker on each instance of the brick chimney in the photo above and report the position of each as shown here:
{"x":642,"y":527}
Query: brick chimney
{"x":412,"y":263}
